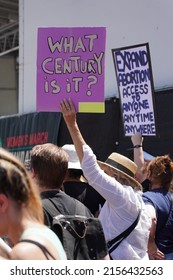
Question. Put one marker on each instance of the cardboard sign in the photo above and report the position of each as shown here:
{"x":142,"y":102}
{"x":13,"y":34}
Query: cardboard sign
{"x":70,"y":64}
{"x":135,"y":83}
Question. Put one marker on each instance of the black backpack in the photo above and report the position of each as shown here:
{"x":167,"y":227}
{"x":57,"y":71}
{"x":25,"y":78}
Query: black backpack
{"x":81,"y":234}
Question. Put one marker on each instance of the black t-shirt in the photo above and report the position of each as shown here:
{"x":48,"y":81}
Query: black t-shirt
{"x":83,"y":192}
{"x":65,"y":204}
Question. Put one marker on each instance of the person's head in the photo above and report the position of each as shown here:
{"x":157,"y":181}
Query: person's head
{"x":18,"y":191}
{"x":74,"y":174}
{"x":160,"y":171}
{"x":74,"y":168}
{"x":122,"y":169}
{"x":49,"y":164}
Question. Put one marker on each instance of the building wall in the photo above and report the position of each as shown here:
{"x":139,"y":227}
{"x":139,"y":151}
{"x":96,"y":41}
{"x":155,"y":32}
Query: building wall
{"x":127,"y":22}
{"x":8,"y":85}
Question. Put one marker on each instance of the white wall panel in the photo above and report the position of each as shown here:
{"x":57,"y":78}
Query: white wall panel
{"x":128,"y":22}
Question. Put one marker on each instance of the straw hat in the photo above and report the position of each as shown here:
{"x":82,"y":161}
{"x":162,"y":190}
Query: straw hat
{"x":73,"y":160}
{"x":122,"y":165}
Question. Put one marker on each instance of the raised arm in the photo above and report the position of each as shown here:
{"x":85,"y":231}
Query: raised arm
{"x":137,"y":141}
{"x":69,"y":115}
{"x":107,"y":185}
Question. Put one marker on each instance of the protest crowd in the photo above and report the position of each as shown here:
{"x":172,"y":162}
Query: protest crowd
{"x":66,"y":204}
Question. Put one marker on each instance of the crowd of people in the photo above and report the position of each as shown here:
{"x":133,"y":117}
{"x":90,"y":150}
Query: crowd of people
{"x":132,"y":199}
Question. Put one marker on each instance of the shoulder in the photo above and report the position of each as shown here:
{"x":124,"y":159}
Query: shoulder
{"x":49,"y":194}
{"x":81,"y":209}
{"x":158,"y":198}
{"x":149,"y":197}
{"x":25,"y":251}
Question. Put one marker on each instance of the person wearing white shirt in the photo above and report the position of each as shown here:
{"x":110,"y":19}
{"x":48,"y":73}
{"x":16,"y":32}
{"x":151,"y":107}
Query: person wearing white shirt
{"x":114,"y":180}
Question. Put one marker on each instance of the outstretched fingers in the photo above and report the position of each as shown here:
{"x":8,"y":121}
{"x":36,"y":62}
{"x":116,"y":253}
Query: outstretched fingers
{"x":67,"y":106}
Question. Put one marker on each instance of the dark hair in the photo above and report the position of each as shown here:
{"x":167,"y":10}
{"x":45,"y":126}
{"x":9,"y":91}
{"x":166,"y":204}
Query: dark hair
{"x":74,"y":173}
{"x":50,"y":164}
{"x":17,"y":184}
{"x":161,"y":171}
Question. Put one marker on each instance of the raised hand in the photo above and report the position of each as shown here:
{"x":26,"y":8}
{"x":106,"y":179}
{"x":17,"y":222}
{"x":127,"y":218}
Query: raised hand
{"x":68,"y":111}
{"x":69,"y":115}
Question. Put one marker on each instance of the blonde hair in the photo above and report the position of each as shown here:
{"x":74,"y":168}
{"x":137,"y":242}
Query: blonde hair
{"x":122,"y":179}
{"x":16,"y":183}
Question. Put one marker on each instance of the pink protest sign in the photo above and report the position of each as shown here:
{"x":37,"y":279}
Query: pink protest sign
{"x":70,"y":64}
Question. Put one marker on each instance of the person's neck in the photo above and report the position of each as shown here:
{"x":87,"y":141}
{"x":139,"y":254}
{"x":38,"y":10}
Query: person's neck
{"x":44,"y":189}
{"x":19,"y":224}
{"x":156,"y":186}
{"x":70,"y":179}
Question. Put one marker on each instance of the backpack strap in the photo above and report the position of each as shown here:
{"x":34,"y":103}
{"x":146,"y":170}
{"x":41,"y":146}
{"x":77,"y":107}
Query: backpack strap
{"x":113,"y":244}
{"x":51,"y":208}
{"x":80,"y":209}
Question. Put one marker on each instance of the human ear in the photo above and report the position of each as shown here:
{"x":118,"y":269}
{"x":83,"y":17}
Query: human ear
{"x":33,"y":174}
{"x":3,"y":203}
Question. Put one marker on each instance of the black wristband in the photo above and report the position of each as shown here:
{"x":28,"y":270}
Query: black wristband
{"x":137,"y":146}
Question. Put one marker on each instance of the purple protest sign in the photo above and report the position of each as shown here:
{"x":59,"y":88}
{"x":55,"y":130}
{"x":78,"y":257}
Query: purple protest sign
{"x":70,"y":64}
